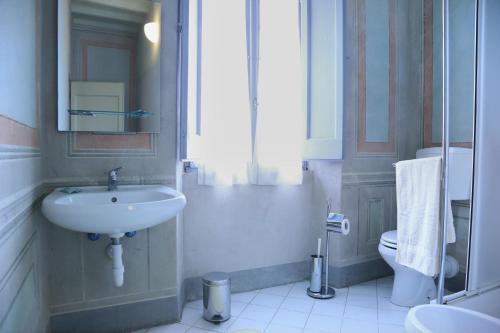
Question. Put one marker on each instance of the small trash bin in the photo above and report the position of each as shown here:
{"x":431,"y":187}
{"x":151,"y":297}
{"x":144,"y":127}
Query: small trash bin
{"x":216,"y":297}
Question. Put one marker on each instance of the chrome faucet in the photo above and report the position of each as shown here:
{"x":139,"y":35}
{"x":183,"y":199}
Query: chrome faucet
{"x":112,"y":178}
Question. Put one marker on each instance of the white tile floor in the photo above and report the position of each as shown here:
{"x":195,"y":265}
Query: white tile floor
{"x":363,"y":308}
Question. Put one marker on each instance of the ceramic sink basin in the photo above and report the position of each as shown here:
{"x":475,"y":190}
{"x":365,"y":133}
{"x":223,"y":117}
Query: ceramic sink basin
{"x":432,"y":318}
{"x":97,"y":210}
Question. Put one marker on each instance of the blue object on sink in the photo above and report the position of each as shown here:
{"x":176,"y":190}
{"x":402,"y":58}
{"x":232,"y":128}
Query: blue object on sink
{"x":93,"y":237}
{"x":70,"y":190}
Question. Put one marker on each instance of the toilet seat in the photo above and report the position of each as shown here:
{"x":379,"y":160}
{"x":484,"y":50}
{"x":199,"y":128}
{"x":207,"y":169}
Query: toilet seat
{"x":390,"y":239}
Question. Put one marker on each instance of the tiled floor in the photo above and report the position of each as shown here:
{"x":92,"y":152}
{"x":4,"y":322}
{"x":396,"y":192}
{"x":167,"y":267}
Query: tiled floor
{"x":363,"y":308}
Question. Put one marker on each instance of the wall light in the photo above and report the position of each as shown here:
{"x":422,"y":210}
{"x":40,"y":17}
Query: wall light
{"x":152,"y":32}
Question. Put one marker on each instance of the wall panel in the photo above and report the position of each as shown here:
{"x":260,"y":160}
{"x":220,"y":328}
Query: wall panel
{"x":375,"y":216}
{"x":376,"y":76}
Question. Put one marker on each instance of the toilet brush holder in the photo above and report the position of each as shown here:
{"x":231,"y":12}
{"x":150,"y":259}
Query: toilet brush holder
{"x":316,"y":273}
{"x":325,"y":292}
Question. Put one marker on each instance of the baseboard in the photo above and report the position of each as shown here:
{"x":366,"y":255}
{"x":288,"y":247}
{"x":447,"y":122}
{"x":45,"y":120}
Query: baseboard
{"x":252,"y":279}
{"x":122,"y":318}
{"x":341,"y":277}
{"x":266,"y":277}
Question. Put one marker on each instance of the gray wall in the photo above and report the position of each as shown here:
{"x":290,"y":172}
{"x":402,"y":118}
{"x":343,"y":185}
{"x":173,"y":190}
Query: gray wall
{"x":80,"y":272}
{"x":23,"y":267}
{"x":18,"y":84}
{"x":245,"y":227}
{"x":327,"y":186}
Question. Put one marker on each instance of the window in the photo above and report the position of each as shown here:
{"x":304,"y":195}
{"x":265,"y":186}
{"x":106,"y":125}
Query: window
{"x":254,"y":102}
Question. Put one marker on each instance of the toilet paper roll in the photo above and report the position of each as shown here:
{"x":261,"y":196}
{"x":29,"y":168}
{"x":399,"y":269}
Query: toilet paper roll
{"x":340,"y":227}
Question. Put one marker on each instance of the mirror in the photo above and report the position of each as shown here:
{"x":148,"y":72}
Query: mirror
{"x":109,"y":66}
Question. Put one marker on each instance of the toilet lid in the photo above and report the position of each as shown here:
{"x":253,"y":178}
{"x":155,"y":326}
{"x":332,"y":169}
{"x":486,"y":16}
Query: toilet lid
{"x":390,"y":237}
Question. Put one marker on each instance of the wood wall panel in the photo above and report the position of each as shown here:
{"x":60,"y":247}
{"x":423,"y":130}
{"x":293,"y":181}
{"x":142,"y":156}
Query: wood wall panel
{"x":429,"y":21}
{"x":375,"y":216}
{"x":363,"y":146}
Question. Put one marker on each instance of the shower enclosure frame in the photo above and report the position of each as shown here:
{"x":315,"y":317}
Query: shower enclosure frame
{"x":441,"y":298}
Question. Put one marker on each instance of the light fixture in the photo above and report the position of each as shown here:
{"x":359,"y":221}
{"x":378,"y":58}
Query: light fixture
{"x":152,"y":32}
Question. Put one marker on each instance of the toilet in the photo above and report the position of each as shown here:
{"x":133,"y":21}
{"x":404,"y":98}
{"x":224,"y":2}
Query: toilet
{"x":410,"y":287}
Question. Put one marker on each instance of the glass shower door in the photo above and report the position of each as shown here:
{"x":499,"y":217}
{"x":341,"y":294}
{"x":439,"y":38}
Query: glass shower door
{"x":454,"y":91}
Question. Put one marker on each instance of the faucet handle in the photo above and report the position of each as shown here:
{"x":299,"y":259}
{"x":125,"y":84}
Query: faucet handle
{"x":114,"y":172}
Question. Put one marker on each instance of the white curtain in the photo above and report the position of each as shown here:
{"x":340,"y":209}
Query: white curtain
{"x":228,"y":154}
{"x":226,"y":117}
{"x":277,"y":155}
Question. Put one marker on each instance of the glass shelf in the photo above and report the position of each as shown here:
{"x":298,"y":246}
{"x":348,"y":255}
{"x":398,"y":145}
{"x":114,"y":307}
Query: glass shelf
{"x":94,"y":113}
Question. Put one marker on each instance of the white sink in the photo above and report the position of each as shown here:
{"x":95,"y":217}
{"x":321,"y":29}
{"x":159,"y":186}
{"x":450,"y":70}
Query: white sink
{"x":431,"y":318}
{"x":97,"y":210}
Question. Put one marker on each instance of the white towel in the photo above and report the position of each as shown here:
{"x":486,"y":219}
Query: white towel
{"x":418,"y":199}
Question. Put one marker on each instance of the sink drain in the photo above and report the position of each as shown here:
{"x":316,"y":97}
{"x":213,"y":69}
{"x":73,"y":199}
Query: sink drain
{"x":114,"y":199}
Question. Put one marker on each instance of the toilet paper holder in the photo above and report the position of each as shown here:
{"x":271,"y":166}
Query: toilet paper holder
{"x":335,"y":223}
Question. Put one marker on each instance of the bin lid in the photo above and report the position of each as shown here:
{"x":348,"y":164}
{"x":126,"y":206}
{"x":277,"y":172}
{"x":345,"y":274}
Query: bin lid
{"x":215,"y":278}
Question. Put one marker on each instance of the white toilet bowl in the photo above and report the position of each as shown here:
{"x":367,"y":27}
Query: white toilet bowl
{"x":410,"y":287}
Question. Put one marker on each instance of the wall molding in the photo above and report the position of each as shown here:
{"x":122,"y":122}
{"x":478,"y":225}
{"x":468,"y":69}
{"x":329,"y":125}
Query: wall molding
{"x":73,"y":149}
{"x":10,"y":264}
{"x":351,"y":179}
{"x":15,"y":281}
{"x":371,"y":209}
{"x":11,"y":152}
{"x":15,"y":208}
{"x":14,"y":278}
{"x":52,"y":183}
